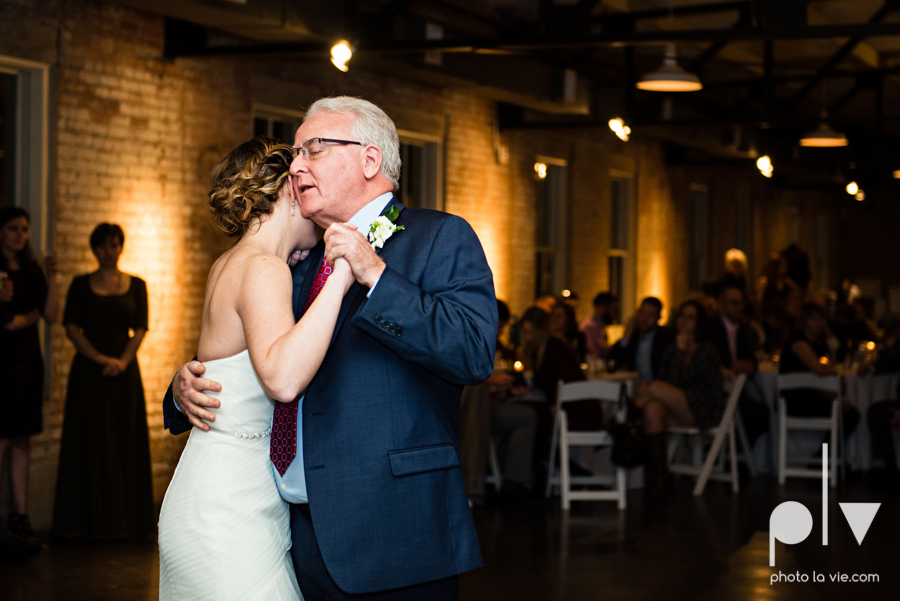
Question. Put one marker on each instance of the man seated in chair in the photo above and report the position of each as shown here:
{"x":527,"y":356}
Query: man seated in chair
{"x":642,"y":347}
{"x":732,"y":338}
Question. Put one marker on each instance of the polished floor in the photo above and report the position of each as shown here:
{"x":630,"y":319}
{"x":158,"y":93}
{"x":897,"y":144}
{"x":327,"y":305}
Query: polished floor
{"x":711,"y":548}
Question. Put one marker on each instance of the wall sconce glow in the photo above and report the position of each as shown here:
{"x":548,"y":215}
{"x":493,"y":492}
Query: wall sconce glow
{"x":620,"y":129}
{"x":670,"y":77}
{"x":860,"y":196}
{"x":566,"y":293}
{"x":518,"y":366}
{"x":764,"y":164}
{"x":897,"y":174}
{"x":340,"y":54}
{"x":870,"y":346}
{"x":852,"y":188}
{"x":540,"y":170}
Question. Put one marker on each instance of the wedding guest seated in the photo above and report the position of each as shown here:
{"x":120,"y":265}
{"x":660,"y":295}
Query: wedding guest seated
{"x":512,"y":424}
{"x":732,"y":336}
{"x":884,"y":416}
{"x":644,"y":342}
{"x":687,"y":392}
{"x":564,"y":325}
{"x":806,"y":351}
{"x":551,"y":359}
{"x":606,"y":309}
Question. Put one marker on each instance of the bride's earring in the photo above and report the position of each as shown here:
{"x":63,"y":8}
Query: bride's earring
{"x":292,"y":207}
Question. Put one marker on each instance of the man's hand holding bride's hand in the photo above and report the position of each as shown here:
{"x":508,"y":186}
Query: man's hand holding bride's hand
{"x":343,"y":240}
{"x":188,"y":390}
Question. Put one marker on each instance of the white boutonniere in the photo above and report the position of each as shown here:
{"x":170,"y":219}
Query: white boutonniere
{"x":383,"y":228}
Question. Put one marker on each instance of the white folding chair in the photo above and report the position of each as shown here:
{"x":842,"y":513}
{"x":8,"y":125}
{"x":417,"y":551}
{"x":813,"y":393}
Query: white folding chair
{"x":598,"y":390}
{"x":713,"y":467}
{"x":833,"y":424}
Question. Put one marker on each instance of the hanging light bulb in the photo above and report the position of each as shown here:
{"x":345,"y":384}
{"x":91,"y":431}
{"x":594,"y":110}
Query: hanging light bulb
{"x":620,"y":129}
{"x":670,"y":77}
{"x":764,"y":164}
{"x":860,"y":196}
{"x":824,"y":136}
{"x":540,"y":170}
{"x":852,"y":188}
{"x":340,"y":54}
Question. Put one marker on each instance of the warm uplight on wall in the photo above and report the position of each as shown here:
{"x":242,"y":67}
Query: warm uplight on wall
{"x":540,"y":169}
{"x":341,"y":53}
{"x":852,"y":188}
{"x":764,"y":164}
{"x":620,"y":129}
{"x":670,"y":77}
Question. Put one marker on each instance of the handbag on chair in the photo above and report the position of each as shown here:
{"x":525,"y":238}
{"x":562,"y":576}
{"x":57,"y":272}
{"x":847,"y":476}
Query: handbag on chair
{"x":627,"y":434}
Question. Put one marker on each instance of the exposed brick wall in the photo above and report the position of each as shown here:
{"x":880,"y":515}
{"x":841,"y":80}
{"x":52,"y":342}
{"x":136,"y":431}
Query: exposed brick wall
{"x":136,"y":135}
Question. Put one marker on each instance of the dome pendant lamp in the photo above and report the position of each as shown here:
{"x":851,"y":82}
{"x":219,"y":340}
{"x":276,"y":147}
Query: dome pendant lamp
{"x":670,"y":77}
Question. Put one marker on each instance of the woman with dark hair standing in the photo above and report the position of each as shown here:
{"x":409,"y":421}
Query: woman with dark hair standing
{"x":104,"y":488}
{"x":689,"y":391}
{"x":26,"y":296}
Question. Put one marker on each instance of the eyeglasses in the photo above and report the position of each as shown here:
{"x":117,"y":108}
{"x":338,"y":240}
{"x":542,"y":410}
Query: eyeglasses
{"x":316,"y":148}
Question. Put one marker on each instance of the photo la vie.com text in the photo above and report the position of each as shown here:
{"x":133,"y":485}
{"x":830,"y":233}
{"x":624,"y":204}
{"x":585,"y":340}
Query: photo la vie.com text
{"x":791,"y":523}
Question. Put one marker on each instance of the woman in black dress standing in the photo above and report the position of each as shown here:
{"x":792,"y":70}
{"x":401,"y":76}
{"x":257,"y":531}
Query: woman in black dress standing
{"x":26,"y":297}
{"x":104,"y":488}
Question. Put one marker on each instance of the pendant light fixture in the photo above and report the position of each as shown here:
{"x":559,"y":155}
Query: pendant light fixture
{"x":670,"y":77}
{"x":824,"y":136}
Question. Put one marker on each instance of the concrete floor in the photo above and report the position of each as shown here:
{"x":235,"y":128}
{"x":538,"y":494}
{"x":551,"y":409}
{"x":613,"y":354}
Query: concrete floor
{"x":710,"y":548}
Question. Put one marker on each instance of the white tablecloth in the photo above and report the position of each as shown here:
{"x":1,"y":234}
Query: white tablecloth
{"x":862,"y":391}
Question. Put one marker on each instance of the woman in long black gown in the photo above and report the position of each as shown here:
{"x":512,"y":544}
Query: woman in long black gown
{"x":26,"y":296}
{"x":104,"y":488}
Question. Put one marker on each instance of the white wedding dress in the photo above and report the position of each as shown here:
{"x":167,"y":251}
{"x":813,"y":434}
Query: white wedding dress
{"x":224,"y":531}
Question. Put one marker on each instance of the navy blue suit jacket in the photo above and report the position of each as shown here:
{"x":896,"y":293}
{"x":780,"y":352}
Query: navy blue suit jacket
{"x":381,"y":417}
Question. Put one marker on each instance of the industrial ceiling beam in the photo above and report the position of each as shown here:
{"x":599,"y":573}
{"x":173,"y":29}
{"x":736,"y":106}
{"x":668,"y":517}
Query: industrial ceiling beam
{"x":612,"y":39}
{"x":843,"y":52}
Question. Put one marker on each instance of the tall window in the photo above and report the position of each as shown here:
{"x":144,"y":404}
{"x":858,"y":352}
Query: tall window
{"x":281,"y":124}
{"x":421,"y":172}
{"x":699,"y":267}
{"x":621,"y":239}
{"x":7,"y":137}
{"x":550,"y":227}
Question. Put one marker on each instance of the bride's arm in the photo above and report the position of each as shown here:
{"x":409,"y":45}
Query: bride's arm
{"x":286,"y":355}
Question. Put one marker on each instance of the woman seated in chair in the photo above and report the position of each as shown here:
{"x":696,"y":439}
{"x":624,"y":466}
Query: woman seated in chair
{"x":807,"y":351}
{"x":689,"y":391}
{"x":551,"y":359}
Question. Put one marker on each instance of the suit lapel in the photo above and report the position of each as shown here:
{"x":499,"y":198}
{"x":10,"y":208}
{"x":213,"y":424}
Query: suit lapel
{"x":357,"y":293}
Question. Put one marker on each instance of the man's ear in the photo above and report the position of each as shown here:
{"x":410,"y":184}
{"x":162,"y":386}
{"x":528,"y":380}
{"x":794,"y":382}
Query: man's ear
{"x":371,"y":161}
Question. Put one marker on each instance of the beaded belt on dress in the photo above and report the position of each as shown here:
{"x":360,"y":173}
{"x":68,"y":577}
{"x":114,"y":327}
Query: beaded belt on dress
{"x":246,"y":435}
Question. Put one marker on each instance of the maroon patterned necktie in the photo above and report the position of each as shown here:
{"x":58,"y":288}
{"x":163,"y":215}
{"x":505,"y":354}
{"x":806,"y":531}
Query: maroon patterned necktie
{"x":283,"y":447}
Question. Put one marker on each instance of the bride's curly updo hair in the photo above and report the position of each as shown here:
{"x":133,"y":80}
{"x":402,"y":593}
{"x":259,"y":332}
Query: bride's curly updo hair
{"x":245,"y":184}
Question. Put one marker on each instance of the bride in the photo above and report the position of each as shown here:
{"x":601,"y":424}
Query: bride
{"x":224,"y":531}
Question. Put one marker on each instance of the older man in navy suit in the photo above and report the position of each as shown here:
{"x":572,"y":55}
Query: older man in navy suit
{"x":378,"y":505}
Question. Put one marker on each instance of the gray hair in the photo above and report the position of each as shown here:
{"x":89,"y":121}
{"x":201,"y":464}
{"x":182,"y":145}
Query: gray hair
{"x":371,"y":125}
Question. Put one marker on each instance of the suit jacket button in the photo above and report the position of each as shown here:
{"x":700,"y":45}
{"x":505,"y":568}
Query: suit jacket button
{"x":378,"y":319}
{"x":398,"y":331}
